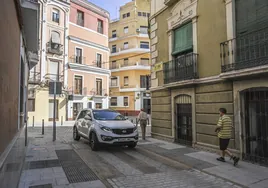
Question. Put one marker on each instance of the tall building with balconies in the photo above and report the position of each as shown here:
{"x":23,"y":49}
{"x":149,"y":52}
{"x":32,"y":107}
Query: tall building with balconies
{"x":88,"y":59}
{"x":209,"y":58}
{"x":130,"y":58}
{"x":52,"y":65}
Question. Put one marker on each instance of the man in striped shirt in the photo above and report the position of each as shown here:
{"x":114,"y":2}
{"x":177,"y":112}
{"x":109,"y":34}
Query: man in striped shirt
{"x":224,"y":130}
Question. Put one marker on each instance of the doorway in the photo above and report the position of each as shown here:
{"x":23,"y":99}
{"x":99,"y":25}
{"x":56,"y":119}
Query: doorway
{"x":184,"y":124}
{"x":51,"y":110}
{"x":256,"y":129}
{"x":147,"y":105}
{"x":77,"y":107}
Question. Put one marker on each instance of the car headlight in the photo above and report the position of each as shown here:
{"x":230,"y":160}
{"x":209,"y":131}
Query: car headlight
{"x":107,"y":129}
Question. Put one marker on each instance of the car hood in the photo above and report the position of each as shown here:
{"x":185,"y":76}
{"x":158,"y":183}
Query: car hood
{"x":116,"y":124}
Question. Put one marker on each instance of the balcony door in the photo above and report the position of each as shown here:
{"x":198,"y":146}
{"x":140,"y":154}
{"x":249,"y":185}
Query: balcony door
{"x":78,"y":55}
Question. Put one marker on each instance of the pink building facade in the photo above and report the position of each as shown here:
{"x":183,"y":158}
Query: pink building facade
{"x":88,"y":64}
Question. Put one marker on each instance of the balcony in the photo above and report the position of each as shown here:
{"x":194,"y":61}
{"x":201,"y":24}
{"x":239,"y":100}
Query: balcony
{"x":83,"y":61}
{"x":170,"y":2}
{"x":245,"y":53}
{"x":129,"y":65}
{"x":86,"y":91}
{"x":130,"y":49}
{"x":180,"y":69}
{"x":54,"y":48}
{"x":34,"y":77}
{"x":100,"y":30}
{"x":54,"y":77}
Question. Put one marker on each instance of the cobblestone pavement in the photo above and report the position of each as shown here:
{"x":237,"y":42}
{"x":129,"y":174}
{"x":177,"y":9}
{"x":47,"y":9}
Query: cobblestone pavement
{"x":116,"y":167}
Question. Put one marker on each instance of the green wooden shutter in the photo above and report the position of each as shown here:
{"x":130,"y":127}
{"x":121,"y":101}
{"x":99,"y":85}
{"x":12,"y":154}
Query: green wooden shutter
{"x":183,"y":39}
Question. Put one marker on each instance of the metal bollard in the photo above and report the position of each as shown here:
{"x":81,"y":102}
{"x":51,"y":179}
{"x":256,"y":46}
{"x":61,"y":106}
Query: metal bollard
{"x":43,"y":127}
{"x":33,"y":121}
{"x":61,"y":120}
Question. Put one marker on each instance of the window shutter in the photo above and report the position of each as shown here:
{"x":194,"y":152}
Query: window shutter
{"x":183,"y":39}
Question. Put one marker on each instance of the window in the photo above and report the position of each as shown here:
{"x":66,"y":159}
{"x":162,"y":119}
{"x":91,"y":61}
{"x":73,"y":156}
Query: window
{"x":113,"y":101}
{"x":100,"y":26}
{"x":83,"y":114}
{"x":125,"y":101}
{"x":183,"y":39}
{"x":143,"y":29}
{"x":126,"y":81}
{"x":31,"y":105}
{"x":78,"y":85}
{"x":148,"y":15}
{"x":144,"y":45}
{"x":139,"y":14}
{"x":125,"y":62}
{"x":144,"y":61}
{"x":143,"y":81}
{"x":114,"y":49}
{"x":114,"y":34}
{"x":98,"y":86}
{"x":78,"y":55}
{"x":114,"y":81}
{"x":113,"y":64}
{"x":53,"y":70}
{"x":125,"y":45}
{"x":80,"y":18}
{"x":56,"y":15}
{"x":98,"y":105}
{"x":126,"y":15}
{"x":125,"y":29}
{"x":144,"y":14}
{"x":99,"y":60}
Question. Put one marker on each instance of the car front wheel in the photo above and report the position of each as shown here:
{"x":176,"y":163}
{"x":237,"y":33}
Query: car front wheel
{"x":75,"y":134}
{"x":94,"y":143}
{"x":132,"y":145}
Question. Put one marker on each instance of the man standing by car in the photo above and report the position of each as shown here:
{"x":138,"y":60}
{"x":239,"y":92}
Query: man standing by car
{"x":224,"y":130}
{"x":142,"y":118}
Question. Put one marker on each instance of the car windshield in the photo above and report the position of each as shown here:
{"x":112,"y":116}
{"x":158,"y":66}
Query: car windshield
{"x":105,"y":115}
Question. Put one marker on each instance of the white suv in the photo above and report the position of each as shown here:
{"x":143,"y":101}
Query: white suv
{"x":105,"y":127}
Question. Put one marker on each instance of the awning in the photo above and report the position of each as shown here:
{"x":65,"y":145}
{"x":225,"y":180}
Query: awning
{"x":55,"y":37}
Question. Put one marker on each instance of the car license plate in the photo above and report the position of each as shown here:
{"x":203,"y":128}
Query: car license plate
{"x":123,"y":139}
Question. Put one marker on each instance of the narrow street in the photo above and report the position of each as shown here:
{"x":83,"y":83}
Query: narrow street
{"x":68,"y":163}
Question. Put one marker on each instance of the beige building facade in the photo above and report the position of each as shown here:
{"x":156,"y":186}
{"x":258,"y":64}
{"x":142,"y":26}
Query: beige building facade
{"x":130,"y":59}
{"x":202,"y":64}
{"x":54,"y":29}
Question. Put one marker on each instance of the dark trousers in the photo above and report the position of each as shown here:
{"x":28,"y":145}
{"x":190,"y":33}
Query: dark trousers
{"x":143,"y":128}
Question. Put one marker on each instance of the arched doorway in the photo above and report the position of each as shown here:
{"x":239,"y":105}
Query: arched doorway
{"x":184,"y":120}
{"x":255,"y":125}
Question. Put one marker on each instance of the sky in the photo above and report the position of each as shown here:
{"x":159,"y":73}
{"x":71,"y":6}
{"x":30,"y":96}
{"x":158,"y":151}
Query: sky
{"x":112,"y":6}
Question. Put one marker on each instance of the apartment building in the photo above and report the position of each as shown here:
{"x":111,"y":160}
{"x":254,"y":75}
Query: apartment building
{"x":19,"y":54}
{"x":130,"y":59}
{"x":88,"y":63}
{"x":201,"y":64}
{"x":52,"y":65}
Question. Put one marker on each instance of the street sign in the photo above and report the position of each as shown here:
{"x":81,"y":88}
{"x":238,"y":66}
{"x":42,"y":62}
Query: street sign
{"x":58,"y":88}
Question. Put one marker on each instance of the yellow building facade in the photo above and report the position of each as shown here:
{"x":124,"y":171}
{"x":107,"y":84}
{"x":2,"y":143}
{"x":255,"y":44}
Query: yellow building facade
{"x":129,"y":44}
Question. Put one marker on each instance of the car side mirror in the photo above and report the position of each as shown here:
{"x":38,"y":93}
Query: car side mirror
{"x":87,"y":117}
{"x":126,"y":118}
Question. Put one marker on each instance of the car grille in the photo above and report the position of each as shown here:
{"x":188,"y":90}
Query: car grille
{"x":123,"y":131}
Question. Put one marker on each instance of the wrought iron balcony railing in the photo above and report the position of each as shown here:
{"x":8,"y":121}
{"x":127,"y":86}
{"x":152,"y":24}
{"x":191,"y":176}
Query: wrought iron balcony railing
{"x":181,"y":68}
{"x":54,"y":77}
{"x":86,"y":91}
{"x":54,"y":48}
{"x":119,"y":65}
{"x":80,"y":22}
{"x":83,"y":60}
{"x":247,"y":51}
{"x":77,"y":59}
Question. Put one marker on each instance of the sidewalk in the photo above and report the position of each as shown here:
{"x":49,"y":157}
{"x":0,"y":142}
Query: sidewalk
{"x":245,"y":174}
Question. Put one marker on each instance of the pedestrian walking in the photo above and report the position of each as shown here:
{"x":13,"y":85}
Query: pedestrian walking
{"x":142,"y":118}
{"x":224,"y":130}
